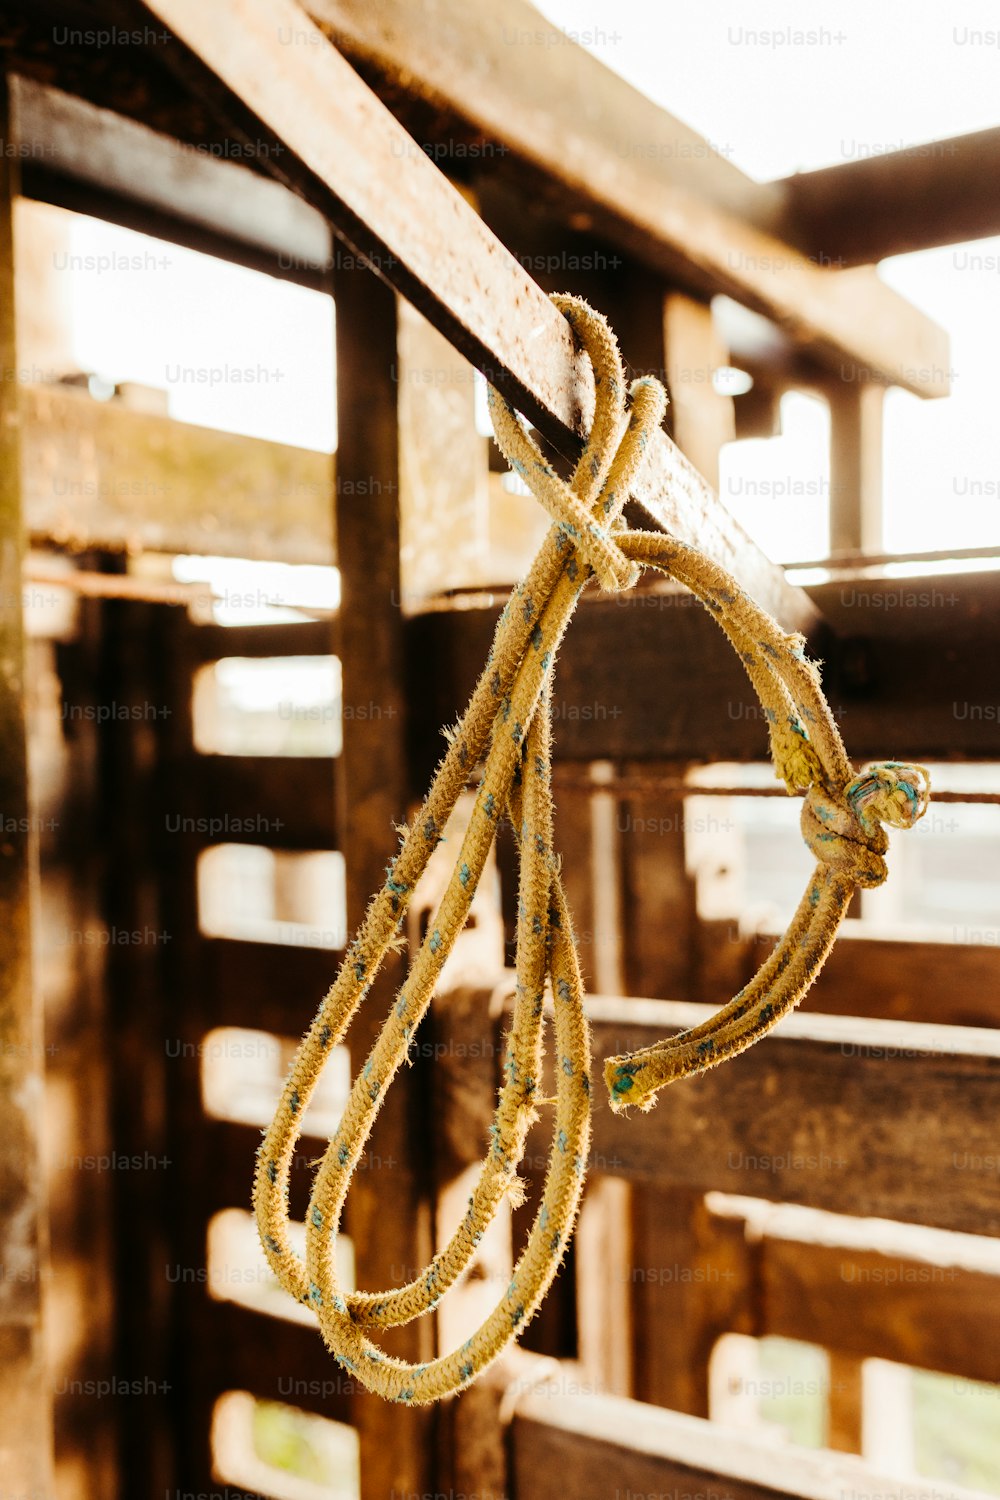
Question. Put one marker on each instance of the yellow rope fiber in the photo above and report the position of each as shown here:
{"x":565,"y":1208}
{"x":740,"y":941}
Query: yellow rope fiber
{"x":508,"y":721}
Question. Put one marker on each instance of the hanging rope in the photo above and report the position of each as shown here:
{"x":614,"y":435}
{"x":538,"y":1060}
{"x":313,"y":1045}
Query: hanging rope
{"x":508,"y":725}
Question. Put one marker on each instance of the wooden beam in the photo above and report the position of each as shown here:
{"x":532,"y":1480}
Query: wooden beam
{"x":701,"y":420}
{"x":862,"y":1116}
{"x":954,"y":982}
{"x":624,"y":684}
{"x":875,"y":1290}
{"x":639,"y":177}
{"x":372,"y":788}
{"x":474,"y":91}
{"x":692,"y":1274}
{"x":856,"y":1116}
{"x":949,"y":978}
{"x":893,"y":202}
{"x":283,"y":980}
{"x":349,"y":157}
{"x":512,"y":76}
{"x":25,"y":1382}
{"x":101,"y":475}
{"x":602,"y":1447}
{"x":101,"y":163}
{"x":856,"y":458}
{"x":284,"y":802}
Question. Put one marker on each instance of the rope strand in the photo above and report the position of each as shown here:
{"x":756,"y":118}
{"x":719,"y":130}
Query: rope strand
{"x":508,"y":721}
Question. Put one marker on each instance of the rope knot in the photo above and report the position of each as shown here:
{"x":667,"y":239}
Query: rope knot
{"x":587,"y":509}
{"x":890,"y":792}
{"x":845,"y":831}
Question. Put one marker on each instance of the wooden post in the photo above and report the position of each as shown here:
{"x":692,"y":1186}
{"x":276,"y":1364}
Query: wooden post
{"x":388,"y":1210}
{"x":25,"y":1394}
{"x":856,"y":467}
{"x":845,"y":1402}
{"x":693,"y":1274}
{"x":700,"y":420}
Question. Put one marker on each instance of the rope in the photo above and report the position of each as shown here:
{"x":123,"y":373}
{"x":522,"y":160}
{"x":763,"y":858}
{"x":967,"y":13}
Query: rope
{"x":508,"y":721}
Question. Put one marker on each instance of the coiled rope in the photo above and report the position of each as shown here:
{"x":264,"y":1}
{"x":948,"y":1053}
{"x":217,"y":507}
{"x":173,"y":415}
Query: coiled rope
{"x":508,"y":721}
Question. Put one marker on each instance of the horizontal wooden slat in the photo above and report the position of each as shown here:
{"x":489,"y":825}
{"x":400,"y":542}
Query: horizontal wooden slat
{"x":285,"y":802}
{"x":864,"y":1117}
{"x":894,"y":202}
{"x":650,"y":675}
{"x":857,"y":1116}
{"x":301,"y":638}
{"x":99,"y":474}
{"x":640,"y":177}
{"x":98,"y":162}
{"x":956,"y":983}
{"x":917,"y":1296}
{"x":274,"y":1359}
{"x":607,"y":1448}
{"x":267,"y":986}
{"x":232,"y":1149}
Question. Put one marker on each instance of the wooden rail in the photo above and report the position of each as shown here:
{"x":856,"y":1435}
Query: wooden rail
{"x":347,"y":155}
{"x":603,"y":1448}
{"x":857,"y":1116}
{"x":623,"y":682}
{"x":643,"y":180}
{"x":99,"y":474}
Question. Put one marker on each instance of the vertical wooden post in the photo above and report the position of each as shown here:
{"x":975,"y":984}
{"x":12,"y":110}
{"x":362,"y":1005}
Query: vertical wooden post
{"x":856,"y":467}
{"x":388,"y":1210}
{"x":699,"y":418}
{"x":25,"y":1394}
{"x":845,"y":1404}
{"x":693,"y":1275}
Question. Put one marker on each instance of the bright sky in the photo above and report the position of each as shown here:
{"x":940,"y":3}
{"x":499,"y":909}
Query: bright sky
{"x":886,"y":74}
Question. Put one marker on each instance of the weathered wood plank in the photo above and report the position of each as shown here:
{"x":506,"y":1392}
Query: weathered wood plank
{"x":372,"y":786}
{"x":700,"y":419}
{"x":302,"y":638}
{"x":98,"y":162}
{"x":346,"y":154}
{"x":856,"y":456}
{"x":98,"y":474}
{"x":692,"y":1275}
{"x":893,"y":202}
{"x":606,"y":1448}
{"x":283,"y":802}
{"x":273,"y":1359}
{"x":956,"y":983}
{"x":25,"y":1383}
{"x":876,"y":1290}
{"x":268,"y":986}
{"x":624,"y":684}
{"x":861,"y":1116}
{"x":607,"y":149}
{"x":858,"y":1116}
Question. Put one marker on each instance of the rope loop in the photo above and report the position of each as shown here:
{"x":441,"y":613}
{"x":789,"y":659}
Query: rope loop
{"x":507,"y":729}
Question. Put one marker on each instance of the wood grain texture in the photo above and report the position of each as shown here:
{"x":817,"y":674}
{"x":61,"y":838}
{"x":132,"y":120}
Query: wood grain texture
{"x":616,"y":159}
{"x":872,"y":1290}
{"x":862,"y":1117}
{"x":346,"y":154}
{"x":604,"y":1448}
{"x":625,"y":684}
{"x":864,"y":210}
{"x":97,"y":474}
{"x":25,"y":1388}
{"x":372,"y":784}
{"x":99,"y":162}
